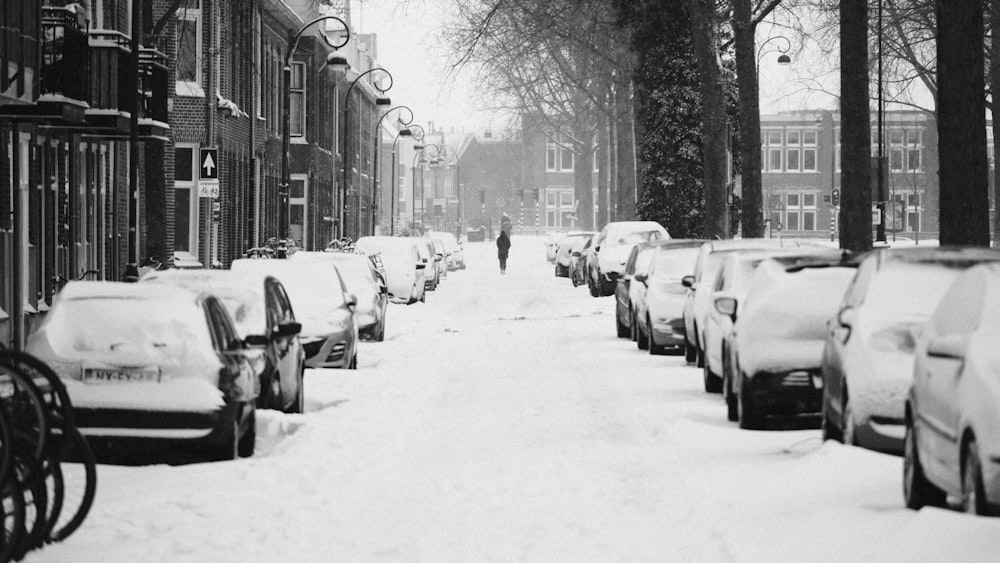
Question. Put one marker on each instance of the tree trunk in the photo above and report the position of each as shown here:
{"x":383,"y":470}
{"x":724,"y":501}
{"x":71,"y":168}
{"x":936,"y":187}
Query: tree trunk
{"x":583,"y":175}
{"x":855,"y":197}
{"x":624,"y":157}
{"x":995,"y":113}
{"x":604,"y":212}
{"x":962,"y":124}
{"x":713,"y":109}
{"x":749,"y":92}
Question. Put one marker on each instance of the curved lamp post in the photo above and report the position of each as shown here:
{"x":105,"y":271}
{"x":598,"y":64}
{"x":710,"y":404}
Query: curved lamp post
{"x":783,"y":59}
{"x":339,"y":63}
{"x":419,"y":154}
{"x":380,"y":101}
{"x":417,"y":133}
{"x":377,"y":185}
{"x":438,"y":155}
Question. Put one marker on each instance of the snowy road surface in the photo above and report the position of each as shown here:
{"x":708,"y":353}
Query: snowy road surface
{"x":503,"y":421}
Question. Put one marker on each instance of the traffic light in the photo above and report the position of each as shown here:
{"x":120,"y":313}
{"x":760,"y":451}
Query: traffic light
{"x":482,"y":197}
{"x":835,"y":197}
{"x":520,"y":194}
{"x":535,"y":193}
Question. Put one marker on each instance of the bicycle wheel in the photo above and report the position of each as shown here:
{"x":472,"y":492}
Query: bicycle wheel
{"x":6,"y":445}
{"x":75,"y":487}
{"x":12,"y":514}
{"x":50,"y":386}
{"x":28,"y":415}
{"x":31,"y":482}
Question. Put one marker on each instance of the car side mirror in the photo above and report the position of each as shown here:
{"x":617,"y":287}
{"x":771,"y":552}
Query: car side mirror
{"x":949,"y":346}
{"x":421,"y":265}
{"x":255,"y":340}
{"x":352,"y":300}
{"x":687,"y":281}
{"x":641,"y":277}
{"x":597,"y":248}
{"x":286,"y":329}
{"x":846,"y":317}
{"x":726,"y":306}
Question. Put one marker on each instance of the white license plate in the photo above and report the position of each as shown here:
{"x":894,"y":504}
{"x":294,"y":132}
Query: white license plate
{"x":120,"y":375}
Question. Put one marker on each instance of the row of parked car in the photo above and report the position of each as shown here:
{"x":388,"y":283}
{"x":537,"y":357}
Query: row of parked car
{"x":892,"y":350}
{"x":187,"y":356}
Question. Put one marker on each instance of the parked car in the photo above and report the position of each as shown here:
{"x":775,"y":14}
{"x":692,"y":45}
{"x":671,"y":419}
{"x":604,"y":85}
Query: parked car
{"x":263,"y":316}
{"x":441,"y":256}
{"x":611,"y":248}
{"x":456,"y":255}
{"x":404,"y":268}
{"x":623,"y":301}
{"x":578,"y":260}
{"x":152,"y":362}
{"x":564,"y":250}
{"x":657,"y":295}
{"x":700,"y":285}
{"x":432,"y":275}
{"x":325,"y":308}
{"x":551,"y":245}
{"x":778,"y":337}
{"x":366,"y":283}
{"x":868,"y":356}
{"x":952,"y":439}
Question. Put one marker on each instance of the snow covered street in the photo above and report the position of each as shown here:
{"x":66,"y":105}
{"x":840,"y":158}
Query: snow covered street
{"x":502,"y":420}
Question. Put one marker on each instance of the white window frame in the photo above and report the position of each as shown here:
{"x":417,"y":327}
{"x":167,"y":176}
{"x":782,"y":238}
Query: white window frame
{"x":192,"y":88}
{"x":788,"y":160}
{"x":803,"y":219}
{"x":815,"y":157}
{"x":298,"y":137}
{"x":304,"y":202}
{"x":551,"y":156}
{"x":193,"y":206}
{"x":788,"y":222}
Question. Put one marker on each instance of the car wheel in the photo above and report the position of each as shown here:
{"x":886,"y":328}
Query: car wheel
{"x":653,"y":348}
{"x":690,"y":352}
{"x":591,"y":286}
{"x":973,"y":491}
{"x":750,"y":417}
{"x":917,"y":490}
{"x":299,"y":405}
{"x":847,"y":430}
{"x":354,"y":363}
{"x":732,"y":409}
{"x":642,"y":340}
{"x":248,"y":440}
{"x":622,"y":330}
{"x":711,"y":380}
{"x":830,"y":430}
{"x":607,"y":288}
{"x":633,"y":331}
{"x":699,"y":360}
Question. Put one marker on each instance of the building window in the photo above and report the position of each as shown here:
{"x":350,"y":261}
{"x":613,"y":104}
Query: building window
{"x":298,"y":219}
{"x":792,"y":221}
{"x":189,"y":53}
{"x":558,"y":158}
{"x":550,"y":199}
{"x":185,"y":199}
{"x":808,"y":220}
{"x":774,"y":160}
{"x":551,"y":150}
{"x":808,"y":160}
{"x":809,"y":200}
{"x":809,"y":137}
{"x":793,"y":200}
{"x":297,"y":101}
{"x":566,"y":162}
{"x":792,"y":160}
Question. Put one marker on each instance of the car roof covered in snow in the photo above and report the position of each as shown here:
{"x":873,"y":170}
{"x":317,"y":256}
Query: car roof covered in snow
{"x":121,"y":290}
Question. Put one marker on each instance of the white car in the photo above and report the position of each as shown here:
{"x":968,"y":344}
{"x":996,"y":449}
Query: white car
{"x":322,"y":305}
{"x":611,"y":248}
{"x":952,"y":426}
{"x":441,"y":257}
{"x":868,"y":357}
{"x":456,"y":255}
{"x":564,"y":251}
{"x":699,"y":295}
{"x":366,"y":283}
{"x":778,"y":336}
{"x":551,"y":244}
{"x":657,"y":295}
{"x":404,"y":268}
{"x":152,"y":362}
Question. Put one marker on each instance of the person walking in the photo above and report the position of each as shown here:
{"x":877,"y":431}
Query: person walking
{"x":503,"y":246}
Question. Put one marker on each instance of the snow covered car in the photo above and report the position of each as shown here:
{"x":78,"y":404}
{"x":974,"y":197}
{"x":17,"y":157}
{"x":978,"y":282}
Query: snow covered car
{"x":404,"y":268}
{"x":638,"y":258}
{"x":432,"y":275}
{"x":868,"y":356}
{"x":578,"y":260}
{"x":152,"y":362}
{"x":700,"y":286}
{"x":263,"y":316}
{"x":325,"y":308}
{"x":363,"y":280}
{"x":778,"y":336}
{"x":658,"y":297}
{"x":564,"y":250}
{"x":952,"y":440}
{"x":456,"y":256}
{"x":551,"y":244}
{"x":611,"y":248}
{"x":441,"y":256}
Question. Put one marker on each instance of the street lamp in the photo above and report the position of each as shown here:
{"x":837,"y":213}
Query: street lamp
{"x":339,"y":64}
{"x":753,"y":118}
{"x":417,"y":133}
{"x":380,"y":102}
{"x":376,"y":193}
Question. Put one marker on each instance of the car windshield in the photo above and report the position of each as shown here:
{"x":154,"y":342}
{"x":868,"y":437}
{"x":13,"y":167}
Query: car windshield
{"x":634,"y":238}
{"x":357,"y":275}
{"x":675,"y":263}
{"x":894,"y":293}
{"x":149,"y":328}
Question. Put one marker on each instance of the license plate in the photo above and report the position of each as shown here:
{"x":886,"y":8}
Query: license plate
{"x":817,"y":381}
{"x":120,"y":375}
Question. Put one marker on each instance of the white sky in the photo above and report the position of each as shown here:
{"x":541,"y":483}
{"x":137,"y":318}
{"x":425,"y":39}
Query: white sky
{"x":410,"y":47}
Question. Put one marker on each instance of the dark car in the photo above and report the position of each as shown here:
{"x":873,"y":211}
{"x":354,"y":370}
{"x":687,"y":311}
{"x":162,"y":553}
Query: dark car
{"x":263,"y":316}
{"x":658,"y":293}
